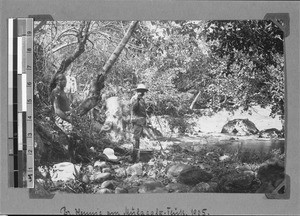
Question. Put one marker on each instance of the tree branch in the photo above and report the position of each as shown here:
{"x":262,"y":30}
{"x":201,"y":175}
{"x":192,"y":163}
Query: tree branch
{"x":194,"y":101}
{"x":63,"y":46}
{"x":82,"y":37}
{"x":98,"y":83}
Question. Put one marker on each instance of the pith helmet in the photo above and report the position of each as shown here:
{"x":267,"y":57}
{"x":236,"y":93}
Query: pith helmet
{"x":110,"y":153}
{"x":141,"y":87}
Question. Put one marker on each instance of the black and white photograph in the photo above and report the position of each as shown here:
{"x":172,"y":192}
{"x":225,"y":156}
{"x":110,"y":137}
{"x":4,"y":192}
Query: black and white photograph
{"x":163,"y":106}
{"x":149,"y":107}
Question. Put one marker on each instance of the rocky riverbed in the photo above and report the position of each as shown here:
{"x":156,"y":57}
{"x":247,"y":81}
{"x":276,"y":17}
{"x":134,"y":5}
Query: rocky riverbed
{"x":167,"y":167}
{"x":200,"y":160}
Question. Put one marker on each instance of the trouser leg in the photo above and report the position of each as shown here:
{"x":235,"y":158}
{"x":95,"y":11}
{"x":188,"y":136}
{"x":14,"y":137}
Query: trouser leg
{"x":71,"y":148}
{"x":136,"y":151}
{"x":136,"y":146}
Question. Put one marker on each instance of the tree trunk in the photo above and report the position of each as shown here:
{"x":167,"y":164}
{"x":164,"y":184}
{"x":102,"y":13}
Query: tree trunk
{"x":194,"y":101}
{"x":112,"y":59}
{"x":51,"y":142}
{"x":97,"y":84}
{"x":82,"y":37}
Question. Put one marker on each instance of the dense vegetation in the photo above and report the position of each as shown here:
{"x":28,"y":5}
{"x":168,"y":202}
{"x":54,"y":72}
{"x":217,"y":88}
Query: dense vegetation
{"x":228,"y":64}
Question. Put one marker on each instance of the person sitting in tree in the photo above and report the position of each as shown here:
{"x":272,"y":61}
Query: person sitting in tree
{"x":61,"y":106}
{"x":138,"y":118}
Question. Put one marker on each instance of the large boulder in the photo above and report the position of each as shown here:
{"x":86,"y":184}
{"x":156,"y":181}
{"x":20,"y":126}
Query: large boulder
{"x":99,"y":177}
{"x":175,"y":169}
{"x":270,"y":133}
{"x":64,"y":171}
{"x":237,"y":183}
{"x":150,"y":187}
{"x":177,"y":188}
{"x":193,"y":176}
{"x":113,"y":124}
{"x":271,"y":174}
{"x":109,"y":184}
{"x":240,"y":127}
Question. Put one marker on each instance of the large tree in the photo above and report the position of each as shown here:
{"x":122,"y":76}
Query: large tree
{"x":254,"y":55}
{"x":71,"y":48}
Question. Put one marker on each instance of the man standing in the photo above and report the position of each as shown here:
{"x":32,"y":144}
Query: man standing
{"x":61,"y":108}
{"x":138,"y":118}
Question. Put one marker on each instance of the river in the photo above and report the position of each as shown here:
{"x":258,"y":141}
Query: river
{"x":228,"y":142}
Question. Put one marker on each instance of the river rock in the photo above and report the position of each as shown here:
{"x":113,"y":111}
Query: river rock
{"x":176,"y":169}
{"x":106,"y":169}
{"x":100,"y":164}
{"x":120,"y":172}
{"x":149,"y":187}
{"x":193,"y":176}
{"x":213,"y":186}
{"x":134,"y":189}
{"x":109,"y":184}
{"x":85,"y":179}
{"x":271,"y":174}
{"x":160,"y":190}
{"x":133,"y":180}
{"x":98,"y":176}
{"x":90,"y":168}
{"x":119,"y":190}
{"x":151,"y":162}
{"x":201,"y":187}
{"x":135,"y":170}
{"x":104,"y":191}
{"x":177,"y":188}
{"x":152,"y":173}
{"x":270,"y":133}
{"x":240,"y":127}
{"x":236,"y":183}
{"x":64,"y":171}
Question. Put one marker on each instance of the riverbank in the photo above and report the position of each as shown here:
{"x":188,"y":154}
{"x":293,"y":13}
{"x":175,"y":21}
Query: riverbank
{"x":213,"y":123}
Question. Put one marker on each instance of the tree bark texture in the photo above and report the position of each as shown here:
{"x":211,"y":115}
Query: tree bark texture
{"x":97,"y":84}
{"x":112,"y":59}
{"x":82,"y":38}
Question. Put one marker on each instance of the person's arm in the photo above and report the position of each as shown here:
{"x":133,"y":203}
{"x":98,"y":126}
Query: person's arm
{"x":135,"y":101}
{"x":59,"y":112}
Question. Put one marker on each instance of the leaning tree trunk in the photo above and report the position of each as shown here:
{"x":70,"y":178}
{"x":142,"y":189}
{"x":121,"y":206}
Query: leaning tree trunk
{"x":52,"y":142}
{"x":98,"y":83}
{"x":194,"y":101}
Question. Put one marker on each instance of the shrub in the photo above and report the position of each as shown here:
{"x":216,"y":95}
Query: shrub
{"x":180,"y":123}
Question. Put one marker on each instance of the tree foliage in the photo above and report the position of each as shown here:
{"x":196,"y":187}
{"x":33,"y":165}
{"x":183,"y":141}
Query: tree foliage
{"x":253,"y":52}
{"x":259,"y":41}
{"x":226,"y":64}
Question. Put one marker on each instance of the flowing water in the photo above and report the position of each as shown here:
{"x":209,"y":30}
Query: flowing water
{"x":256,"y":144}
{"x":230,"y":142}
